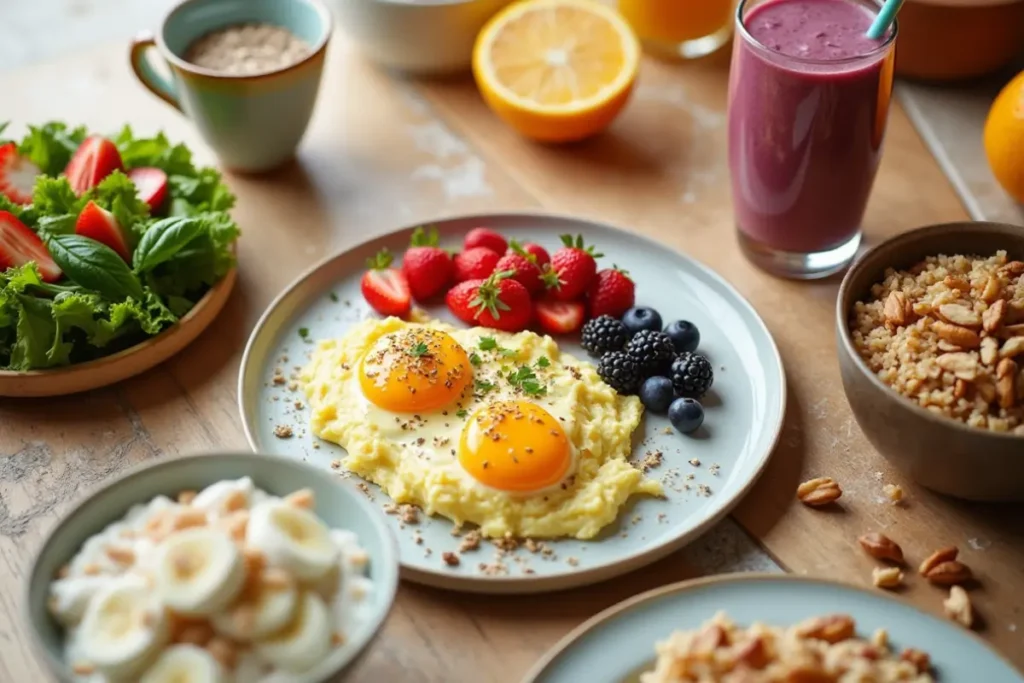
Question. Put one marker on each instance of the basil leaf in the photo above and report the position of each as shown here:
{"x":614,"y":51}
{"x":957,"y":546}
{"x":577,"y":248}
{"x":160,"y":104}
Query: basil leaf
{"x":164,"y":239}
{"x":94,"y":266}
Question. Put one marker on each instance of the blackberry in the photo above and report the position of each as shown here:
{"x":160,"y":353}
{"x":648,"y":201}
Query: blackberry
{"x":652,"y":351}
{"x":603,"y":334}
{"x":692,"y":375}
{"x":619,"y":371}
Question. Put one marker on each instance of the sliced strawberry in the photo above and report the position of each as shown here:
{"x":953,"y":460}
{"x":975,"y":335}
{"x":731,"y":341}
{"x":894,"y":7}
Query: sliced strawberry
{"x":151,"y":184}
{"x":486,"y":238}
{"x":499,"y":302}
{"x":97,"y":223}
{"x":559,"y":317}
{"x":427,"y":267}
{"x":523,"y":267}
{"x":474,"y":264}
{"x":19,"y":245}
{"x":17,"y":175}
{"x":386,"y":288}
{"x":611,"y":293}
{"x":575,"y":266}
{"x":94,"y":160}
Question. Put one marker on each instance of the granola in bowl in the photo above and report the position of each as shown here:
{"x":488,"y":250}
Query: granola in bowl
{"x":821,"y":649}
{"x":948,"y":334}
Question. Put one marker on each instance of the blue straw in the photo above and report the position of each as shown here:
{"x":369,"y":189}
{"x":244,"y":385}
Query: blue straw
{"x":884,"y":20}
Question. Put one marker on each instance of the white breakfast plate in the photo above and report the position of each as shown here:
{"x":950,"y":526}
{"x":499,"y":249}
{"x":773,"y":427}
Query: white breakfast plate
{"x":744,"y":410}
{"x":618,"y":644}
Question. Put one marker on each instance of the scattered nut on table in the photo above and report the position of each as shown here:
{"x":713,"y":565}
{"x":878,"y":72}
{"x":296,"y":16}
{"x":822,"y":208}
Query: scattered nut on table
{"x":893,"y":492}
{"x":818,"y":492}
{"x":958,"y":607}
{"x":881,"y":547}
{"x":949,"y":573}
{"x":938,"y":557}
{"x":887,"y":577}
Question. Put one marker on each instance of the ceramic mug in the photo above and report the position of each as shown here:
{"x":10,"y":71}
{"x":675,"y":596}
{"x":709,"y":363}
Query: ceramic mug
{"x":253,"y":122}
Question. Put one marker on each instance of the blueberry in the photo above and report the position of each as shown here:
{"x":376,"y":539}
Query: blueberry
{"x":656,"y":394}
{"x":686,"y":415}
{"x":684,"y":335}
{"x":641,"y":318}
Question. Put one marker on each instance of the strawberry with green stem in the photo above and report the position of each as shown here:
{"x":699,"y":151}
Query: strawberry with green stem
{"x":523,"y":266}
{"x":499,"y":302}
{"x":573,"y":267}
{"x":386,"y":289}
{"x":427,"y":267}
{"x":611,"y":293}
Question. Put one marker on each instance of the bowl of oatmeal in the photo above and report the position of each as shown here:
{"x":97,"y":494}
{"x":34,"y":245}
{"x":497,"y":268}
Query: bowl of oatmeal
{"x":930,"y":337}
{"x":223,"y":567}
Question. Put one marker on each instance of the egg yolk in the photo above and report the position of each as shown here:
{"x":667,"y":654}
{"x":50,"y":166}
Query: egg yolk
{"x":415,"y":370}
{"x":515,"y":446}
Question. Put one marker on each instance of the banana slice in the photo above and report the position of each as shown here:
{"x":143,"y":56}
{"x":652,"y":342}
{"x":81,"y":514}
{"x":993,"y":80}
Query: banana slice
{"x":123,"y":627}
{"x":70,"y":597}
{"x":293,"y":539}
{"x":198,"y":571}
{"x":267,"y":605}
{"x":185,"y":664}
{"x":304,"y":642}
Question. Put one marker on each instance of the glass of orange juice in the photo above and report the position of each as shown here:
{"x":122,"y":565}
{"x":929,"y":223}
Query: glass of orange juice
{"x":685,"y":29}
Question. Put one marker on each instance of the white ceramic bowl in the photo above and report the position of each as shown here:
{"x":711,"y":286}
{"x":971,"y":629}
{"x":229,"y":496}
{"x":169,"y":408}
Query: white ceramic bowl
{"x":427,"y":37}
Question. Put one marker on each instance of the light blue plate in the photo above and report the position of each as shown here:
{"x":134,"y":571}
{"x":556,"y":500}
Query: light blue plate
{"x":743,"y":411}
{"x":618,"y":644}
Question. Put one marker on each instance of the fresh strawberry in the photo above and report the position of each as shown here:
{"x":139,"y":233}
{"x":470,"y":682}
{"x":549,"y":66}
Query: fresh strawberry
{"x":19,"y":245}
{"x":99,"y":224}
{"x":385,"y":288}
{"x":151,"y":184}
{"x":427,"y":267}
{"x":523,"y":266}
{"x":538,"y":252}
{"x":559,"y":317}
{"x":17,"y":175}
{"x":574,"y":266}
{"x":486,"y":238}
{"x":612,"y":293}
{"x":499,"y":302}
{"x":474,"y":264}
{"x":94,"y":160}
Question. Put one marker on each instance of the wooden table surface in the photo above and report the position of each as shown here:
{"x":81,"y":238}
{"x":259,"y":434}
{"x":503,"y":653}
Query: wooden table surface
{"x":384,"y":152}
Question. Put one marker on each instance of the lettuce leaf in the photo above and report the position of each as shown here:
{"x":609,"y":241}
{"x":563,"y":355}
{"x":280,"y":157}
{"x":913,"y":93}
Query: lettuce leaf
{"x":44,"y":325}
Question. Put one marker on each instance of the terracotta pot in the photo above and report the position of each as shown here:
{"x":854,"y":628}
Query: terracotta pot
{"x":946,"y":40}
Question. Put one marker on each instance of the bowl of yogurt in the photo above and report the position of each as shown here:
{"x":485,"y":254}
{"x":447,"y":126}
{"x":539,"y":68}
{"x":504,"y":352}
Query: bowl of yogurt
{"x":227,"y":568}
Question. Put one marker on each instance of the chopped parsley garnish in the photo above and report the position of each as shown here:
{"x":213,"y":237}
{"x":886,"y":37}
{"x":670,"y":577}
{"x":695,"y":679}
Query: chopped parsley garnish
{"x":507,"y":353}
{"x":488,"y":343}
{"x":461,"y":412}
{"x":334,"y":297}
{"x":475,"y":359}
{"x":304,"y":332}
{"x":543,"y":362}
{"x":418,"y":349}
{"x":483,"y":386}
{"x":526,"y":379}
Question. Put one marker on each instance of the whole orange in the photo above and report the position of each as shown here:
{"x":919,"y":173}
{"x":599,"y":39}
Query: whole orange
{"x":1004,"y":138}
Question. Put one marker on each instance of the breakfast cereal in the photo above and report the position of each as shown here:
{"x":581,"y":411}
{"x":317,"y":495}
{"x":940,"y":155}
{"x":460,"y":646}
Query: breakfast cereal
{"x":948,"y":334}
{"x":247,"y":49}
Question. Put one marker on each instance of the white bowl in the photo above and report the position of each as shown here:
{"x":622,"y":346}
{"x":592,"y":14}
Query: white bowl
{"x":427,"y":37}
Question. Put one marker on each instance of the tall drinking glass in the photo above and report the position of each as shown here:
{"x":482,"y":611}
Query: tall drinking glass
{"x":809,"y":97}
{"x":686,"y":29}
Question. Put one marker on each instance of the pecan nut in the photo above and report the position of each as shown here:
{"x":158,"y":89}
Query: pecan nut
{"x":1014,"y":346}
{"x":833,"y":629}
{"x":962,"y":365}
{"x":949,"y":573}
{"x":881,"y":547}
{"x":989,"y":350}
{"x":993,"y":318}
{"x":895,"y":309}
{"x":938,"y":557}
{"x":958,"y":314}
{"x":957,"y":335}
{"x":819,"y":491}
{"x":921,"y":661}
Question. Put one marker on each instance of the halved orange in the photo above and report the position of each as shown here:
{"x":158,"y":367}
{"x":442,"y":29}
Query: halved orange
{"x":1004,"y":138}
{"x":556,"y":70}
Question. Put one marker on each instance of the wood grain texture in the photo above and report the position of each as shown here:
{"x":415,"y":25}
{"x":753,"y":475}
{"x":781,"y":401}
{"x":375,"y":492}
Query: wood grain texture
{"x":382,"y":152}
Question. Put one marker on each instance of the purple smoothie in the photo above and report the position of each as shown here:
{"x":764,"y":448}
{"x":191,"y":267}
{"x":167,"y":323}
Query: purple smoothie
{"x":808,"y":102}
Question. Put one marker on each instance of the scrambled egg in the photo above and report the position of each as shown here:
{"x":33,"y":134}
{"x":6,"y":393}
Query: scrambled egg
{"x":500,"y":430}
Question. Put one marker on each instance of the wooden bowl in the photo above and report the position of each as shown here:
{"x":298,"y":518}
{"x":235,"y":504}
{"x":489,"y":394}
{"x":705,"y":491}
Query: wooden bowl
{"x":946,"y":40}
{"x":938,"y":452}
{"x":124,"y":364}
{"x":339,"y":503}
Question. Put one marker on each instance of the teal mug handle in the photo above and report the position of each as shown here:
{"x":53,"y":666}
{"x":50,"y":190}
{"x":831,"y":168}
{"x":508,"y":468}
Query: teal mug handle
{"x":154,"y":82}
